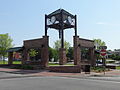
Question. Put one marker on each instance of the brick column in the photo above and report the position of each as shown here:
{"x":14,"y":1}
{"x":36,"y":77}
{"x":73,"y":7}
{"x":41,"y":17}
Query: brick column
{"x":44,"y":57}
{"x":45,"y":52}
{"x":10,"y":58}
{"x":92,"y":56}
{"x":62,"y":56}
{"x":77,"y":51}
{"x":25,"y":56}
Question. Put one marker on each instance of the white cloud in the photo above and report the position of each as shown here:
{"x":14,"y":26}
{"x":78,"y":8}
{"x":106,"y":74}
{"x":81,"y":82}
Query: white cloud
{"x":101,"y":23}
{"x":110,"y":24}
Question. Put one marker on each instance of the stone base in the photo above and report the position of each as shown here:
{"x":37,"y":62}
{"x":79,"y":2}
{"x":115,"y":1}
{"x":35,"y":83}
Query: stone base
{"x":65,"y":69}
{"x":62,"y":56}
{"x":44,"y":57}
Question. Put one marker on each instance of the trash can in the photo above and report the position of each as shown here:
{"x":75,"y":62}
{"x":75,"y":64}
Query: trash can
{"x":87,"y":69}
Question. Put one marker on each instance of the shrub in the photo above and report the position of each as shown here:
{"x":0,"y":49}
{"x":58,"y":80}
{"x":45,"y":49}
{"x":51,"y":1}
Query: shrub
{"x":99,"y":69}
{"x":27,"y":67}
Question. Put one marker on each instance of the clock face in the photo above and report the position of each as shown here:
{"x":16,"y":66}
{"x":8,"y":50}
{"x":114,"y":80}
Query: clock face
{"x":48,"y":22}
{"x":73,"y":22}
{"x":53,"y":19}
{"x":69,"y":19}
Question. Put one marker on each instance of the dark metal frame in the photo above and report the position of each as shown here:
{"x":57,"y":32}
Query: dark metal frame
{"x":61,"y":26}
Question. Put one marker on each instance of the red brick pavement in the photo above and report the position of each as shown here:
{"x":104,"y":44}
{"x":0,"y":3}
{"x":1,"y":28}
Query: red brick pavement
{"x":47,"y":73}
{"x":7,"y":69}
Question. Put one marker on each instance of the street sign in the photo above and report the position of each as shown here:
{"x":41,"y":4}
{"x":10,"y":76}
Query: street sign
{"x":103,"y":47}
{"x":103,"y":52}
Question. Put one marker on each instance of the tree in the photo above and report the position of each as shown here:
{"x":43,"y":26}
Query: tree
{"x":57,"y":45}
{"x":5,"y":44}
{"x":98,"y":42}
{"x":115,"y":57}
{"x":70,"y":53}
{"x":51,"y":53}
{"x":55,"y":55}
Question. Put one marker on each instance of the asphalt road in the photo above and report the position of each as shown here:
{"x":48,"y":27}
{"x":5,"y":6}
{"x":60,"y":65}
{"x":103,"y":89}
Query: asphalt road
{"x":4,"y":74}
{"x":56,"y":83}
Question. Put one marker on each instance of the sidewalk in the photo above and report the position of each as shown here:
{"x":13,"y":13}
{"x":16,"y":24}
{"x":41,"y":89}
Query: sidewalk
{"x":16,"y":73}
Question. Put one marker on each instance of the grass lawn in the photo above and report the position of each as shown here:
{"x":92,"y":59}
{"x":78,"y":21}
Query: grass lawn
{"x":6,"y":62}
{"x":16,"y":62}
{"x":50,"y":64}
{"x":53,"y":64}
{"x":56,"y":64}
{"x":118,"y":67}
{"x":3,"y":62}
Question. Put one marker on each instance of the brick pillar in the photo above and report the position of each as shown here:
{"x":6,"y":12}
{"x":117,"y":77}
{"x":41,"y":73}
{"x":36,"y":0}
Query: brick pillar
{"x":77,"y":51}
{"x":92,"y":56}
{"x":10,"y":58}
{"x":45,"y":52}
{"x":44,"y":57}
{"x":25,"y":56}
{"x":62,"y":56}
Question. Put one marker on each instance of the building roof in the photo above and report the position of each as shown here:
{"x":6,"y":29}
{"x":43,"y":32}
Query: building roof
{"x":59,"y":11}
{"x":15,"y":49}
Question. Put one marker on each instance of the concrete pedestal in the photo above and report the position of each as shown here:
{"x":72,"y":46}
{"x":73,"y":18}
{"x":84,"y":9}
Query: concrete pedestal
{"x":62,"y":56}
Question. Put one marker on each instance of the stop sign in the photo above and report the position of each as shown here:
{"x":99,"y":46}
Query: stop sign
{"x":103,"y":52}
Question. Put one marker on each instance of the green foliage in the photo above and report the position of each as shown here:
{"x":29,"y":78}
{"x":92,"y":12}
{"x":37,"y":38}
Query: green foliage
{"x":3,"y":62}
{"x":51,"y":53}
{"x":17,"y":62}
{"x":57,"y":64}
{"x":57,"y":45}
{"x":110,"y":62}
{"x":118,"y":67}
{"x":26,"y":67}
{"x":55,"y":55}
{"x":5,"y":44}
{"x":33,"y":52}
{"x":55,"y":50}
{"x":67,"y":45}
{"x":115,"y":57}
{"x":53,"y":64}
{"x":99,"y":42}
{"x":99,"y":69}
{"x":6,"y":62}
{"x":70,"y":53}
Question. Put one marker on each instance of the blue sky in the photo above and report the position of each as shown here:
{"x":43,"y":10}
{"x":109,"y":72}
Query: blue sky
{"x":24,"y":19}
